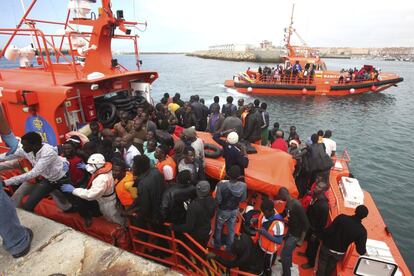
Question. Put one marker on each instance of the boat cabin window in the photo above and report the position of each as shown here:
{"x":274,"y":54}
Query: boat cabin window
{"x":367,"y":266}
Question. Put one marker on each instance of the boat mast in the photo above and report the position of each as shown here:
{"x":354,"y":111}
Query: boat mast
{"x":290,"y":31}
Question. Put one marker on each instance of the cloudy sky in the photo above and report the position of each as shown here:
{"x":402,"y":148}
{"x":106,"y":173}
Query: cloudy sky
{"x":187,"y":25}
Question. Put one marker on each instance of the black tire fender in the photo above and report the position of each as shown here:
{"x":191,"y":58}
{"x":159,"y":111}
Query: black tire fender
{"x":212,"y":151}
{"x":106,"y":113}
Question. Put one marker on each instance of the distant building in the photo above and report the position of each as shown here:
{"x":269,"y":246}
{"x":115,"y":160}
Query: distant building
{"x":230,"y":48}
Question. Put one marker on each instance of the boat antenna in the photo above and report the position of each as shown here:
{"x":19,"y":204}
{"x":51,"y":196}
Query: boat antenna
{"x":290,"y":30}
{"x":30,"y":25}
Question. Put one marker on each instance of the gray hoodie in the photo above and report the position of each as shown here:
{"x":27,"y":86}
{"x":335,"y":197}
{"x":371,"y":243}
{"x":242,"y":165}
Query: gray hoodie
{"x":230,"y":194}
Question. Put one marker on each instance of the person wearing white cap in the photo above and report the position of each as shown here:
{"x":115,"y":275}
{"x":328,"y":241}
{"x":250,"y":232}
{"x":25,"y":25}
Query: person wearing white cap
{"x":101,"y":187}
{"x":233,"y":153}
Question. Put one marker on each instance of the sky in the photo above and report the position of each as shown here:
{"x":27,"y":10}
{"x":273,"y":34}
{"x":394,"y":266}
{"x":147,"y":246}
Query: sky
{"x":189,"y":25}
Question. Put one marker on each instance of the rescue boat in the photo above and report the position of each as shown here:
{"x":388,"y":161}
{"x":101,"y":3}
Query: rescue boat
{"x":312,"y":78}
{"x":66,"y":90}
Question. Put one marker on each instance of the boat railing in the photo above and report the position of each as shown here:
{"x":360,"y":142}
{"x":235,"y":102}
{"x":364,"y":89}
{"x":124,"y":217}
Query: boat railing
{"x":298,"y":79}
{"x":50,"y":52}
{"x":164,"y":247}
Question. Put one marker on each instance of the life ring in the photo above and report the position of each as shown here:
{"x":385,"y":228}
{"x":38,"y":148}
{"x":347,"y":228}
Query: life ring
{"x":212,"y":151}
{"x":106,"y":113}
{"x":140,"y":100}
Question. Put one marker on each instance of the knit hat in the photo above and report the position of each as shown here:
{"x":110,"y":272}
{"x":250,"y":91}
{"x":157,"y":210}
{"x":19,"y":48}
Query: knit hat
{"x":233,"y":138}
{"x":203,"y":188}
{"x":190,"y":132}
{"x":294,"y":142}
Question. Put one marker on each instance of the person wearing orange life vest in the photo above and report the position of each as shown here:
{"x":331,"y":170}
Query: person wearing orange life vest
{"x":124,"y":181}
{"x":101,"y":187}
{"x":166,"y":165}
{"x":269,"y":234}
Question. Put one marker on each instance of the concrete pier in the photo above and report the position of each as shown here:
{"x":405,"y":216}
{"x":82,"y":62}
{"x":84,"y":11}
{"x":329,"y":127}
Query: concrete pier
{"x":60,"y":250}
{"x":250,"y":56}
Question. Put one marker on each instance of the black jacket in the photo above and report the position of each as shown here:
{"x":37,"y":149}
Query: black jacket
{"x":172,"y":203}
{"x":247,"y":257}
{"x":198,"y":220}
{"x":343,"y":231}
{"x":318,"y":160}
{"x":232,"y":154}
{"x":147,"y":204}
{"x":318,"y":215}
{"x":297,"y":220}
{"x":252,"y":129}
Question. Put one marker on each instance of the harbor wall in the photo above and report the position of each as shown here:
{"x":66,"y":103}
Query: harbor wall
{"x":251,"y":56}
{"x":59,"y":250}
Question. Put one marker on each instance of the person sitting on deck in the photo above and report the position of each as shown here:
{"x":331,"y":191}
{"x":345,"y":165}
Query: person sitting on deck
{"x":233,"y":153}
{"x":229,"y":194}
{"x":46,"y":163}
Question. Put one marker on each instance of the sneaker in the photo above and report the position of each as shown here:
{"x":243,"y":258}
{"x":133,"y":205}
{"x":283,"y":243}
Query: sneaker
{"x":27,"y":249}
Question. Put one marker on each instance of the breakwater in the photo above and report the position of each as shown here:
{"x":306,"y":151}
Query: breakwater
{"x":252,"y":56}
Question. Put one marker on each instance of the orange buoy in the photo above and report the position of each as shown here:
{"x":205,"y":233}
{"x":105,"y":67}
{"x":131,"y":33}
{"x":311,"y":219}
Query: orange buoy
{"x":304,"y":91}
{"x":352,"y":90}
{"x":373,"y":88}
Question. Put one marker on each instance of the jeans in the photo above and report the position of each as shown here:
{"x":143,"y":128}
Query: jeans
{"x":15,"y":236}
{"x":228,"y":217}
{"x":286,"y":255}
{"x":42,"y":189}
{"x":327,"y":261}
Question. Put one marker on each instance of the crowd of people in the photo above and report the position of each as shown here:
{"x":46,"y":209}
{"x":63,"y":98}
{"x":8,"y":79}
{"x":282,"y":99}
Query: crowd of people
{"x":296,"y":74}
{"x":292,"y":73}
{"x":149,"y":169}
{"x":364,"y":74}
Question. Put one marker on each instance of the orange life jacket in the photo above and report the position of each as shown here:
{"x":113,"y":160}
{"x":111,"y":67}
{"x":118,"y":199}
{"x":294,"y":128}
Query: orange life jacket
{"x":168,"y":161}
{"x":105,"y":169}
{"x":243,"y":118}
{"x":124,"y":196}
{"x":267,"y":245}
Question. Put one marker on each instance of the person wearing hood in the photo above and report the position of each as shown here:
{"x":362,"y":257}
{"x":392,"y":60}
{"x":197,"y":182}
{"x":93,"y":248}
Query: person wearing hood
{"x":199,"y":215}
{"x":101,"y":187}
{"x":229,"y":194}
{"x":189,"y":137}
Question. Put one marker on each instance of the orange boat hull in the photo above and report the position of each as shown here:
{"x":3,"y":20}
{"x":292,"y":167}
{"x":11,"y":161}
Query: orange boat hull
{"x":318,"y":89}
